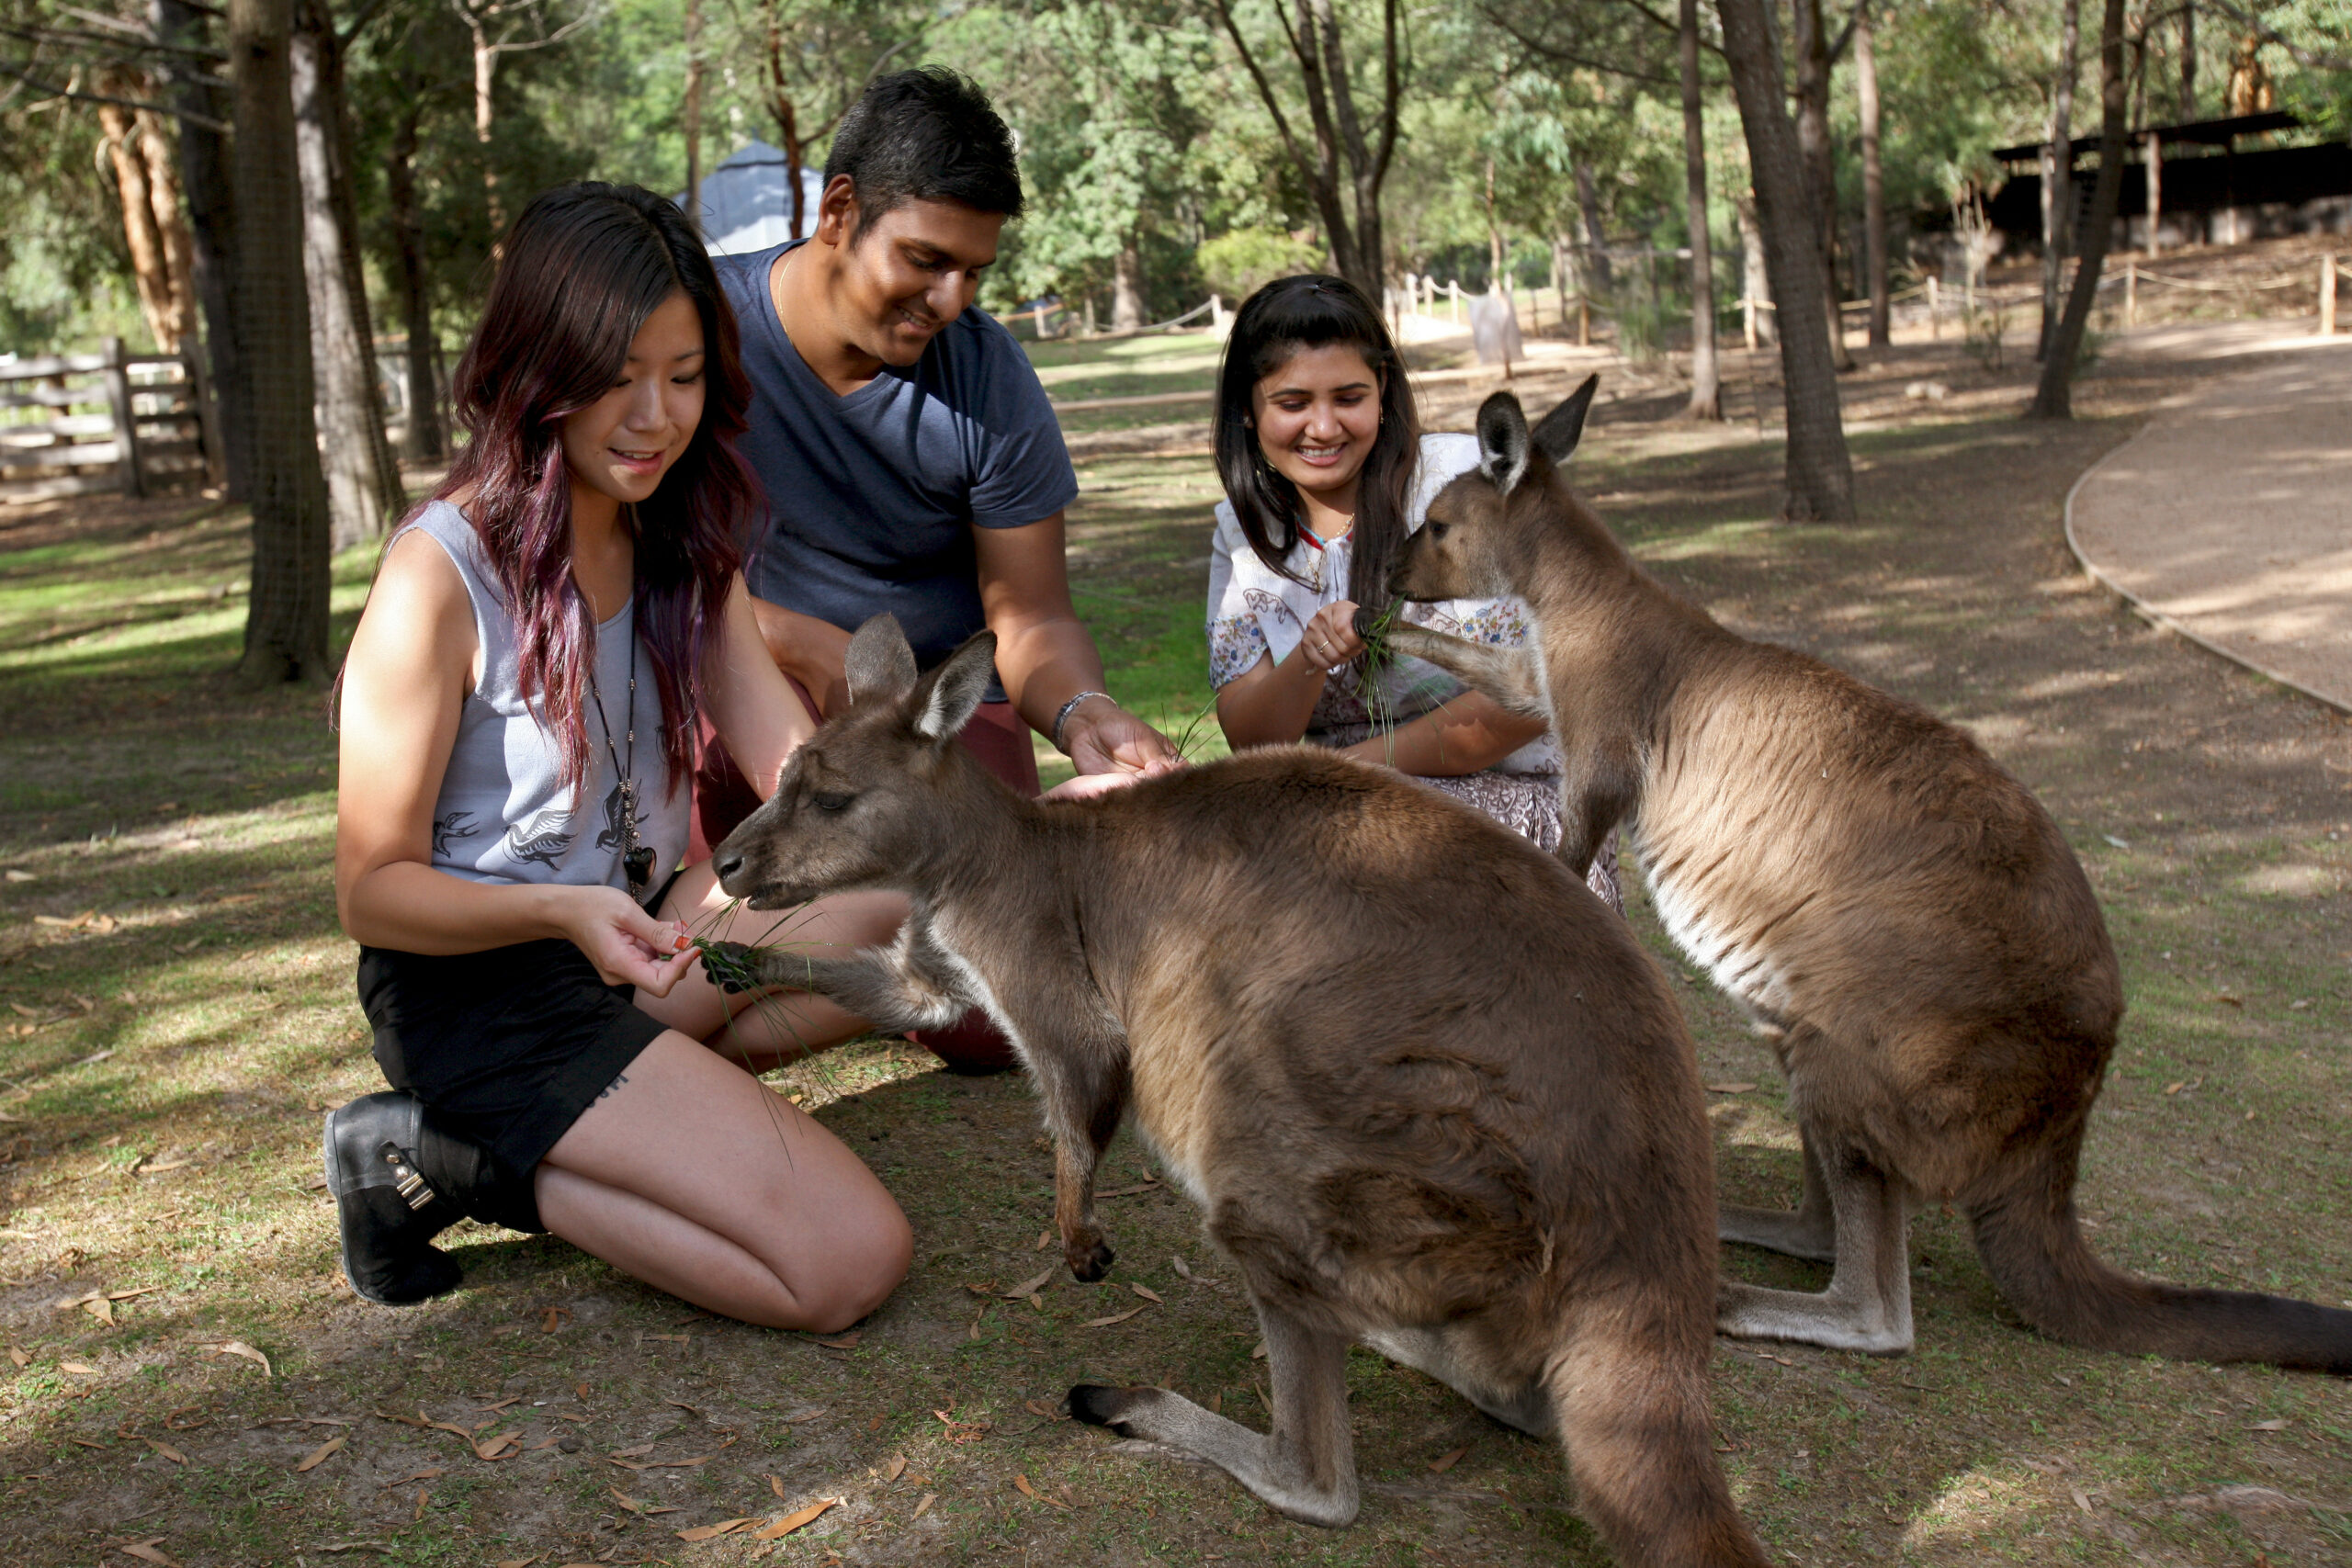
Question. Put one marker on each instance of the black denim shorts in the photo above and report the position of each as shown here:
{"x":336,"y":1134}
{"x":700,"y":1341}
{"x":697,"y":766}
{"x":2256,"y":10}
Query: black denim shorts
{"x":505,"y":1047}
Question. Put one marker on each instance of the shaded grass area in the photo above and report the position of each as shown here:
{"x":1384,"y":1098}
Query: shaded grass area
{"x":163,"y":1065}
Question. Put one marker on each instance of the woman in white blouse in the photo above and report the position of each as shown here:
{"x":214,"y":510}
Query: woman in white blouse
{"x":1326,"y":471}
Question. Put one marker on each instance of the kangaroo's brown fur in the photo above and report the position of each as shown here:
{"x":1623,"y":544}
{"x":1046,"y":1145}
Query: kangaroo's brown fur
{"x":1467,"y":1130}
{"x":1900,"y":915}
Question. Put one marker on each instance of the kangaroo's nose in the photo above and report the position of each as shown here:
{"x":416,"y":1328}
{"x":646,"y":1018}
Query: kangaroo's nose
{"x":726,"y":866}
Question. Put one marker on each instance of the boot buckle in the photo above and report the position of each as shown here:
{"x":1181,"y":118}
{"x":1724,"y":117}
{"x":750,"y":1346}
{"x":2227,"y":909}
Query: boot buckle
{"x":411,"y":1187}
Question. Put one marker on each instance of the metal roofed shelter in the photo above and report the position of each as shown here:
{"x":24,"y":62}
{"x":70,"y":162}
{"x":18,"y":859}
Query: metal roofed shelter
{"x":747,"y":204}
{"x":2228,"y":194}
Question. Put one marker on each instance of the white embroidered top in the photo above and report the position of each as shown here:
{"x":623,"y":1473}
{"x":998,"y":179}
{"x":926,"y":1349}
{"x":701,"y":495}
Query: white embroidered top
{"x":1256,"y":612}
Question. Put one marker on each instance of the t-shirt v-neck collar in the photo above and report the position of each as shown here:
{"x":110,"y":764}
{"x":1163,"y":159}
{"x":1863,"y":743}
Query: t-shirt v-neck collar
{"x":789,"y":354}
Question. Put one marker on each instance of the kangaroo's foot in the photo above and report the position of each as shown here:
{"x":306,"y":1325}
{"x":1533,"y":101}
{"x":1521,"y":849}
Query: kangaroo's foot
{"x":1792,"y":1231}
{"x":1304,"y":1469}
{"x":1867,"y":1304}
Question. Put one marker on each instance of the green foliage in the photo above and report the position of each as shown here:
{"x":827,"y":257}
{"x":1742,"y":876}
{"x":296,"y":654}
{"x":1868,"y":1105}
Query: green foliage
{"x":1240,"y":262}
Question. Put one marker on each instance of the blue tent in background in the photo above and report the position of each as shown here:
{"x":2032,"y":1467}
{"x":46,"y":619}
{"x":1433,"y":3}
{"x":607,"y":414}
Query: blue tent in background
{"x":747,"y":205}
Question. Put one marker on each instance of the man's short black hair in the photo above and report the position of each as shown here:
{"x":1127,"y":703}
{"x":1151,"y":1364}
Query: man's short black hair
{"x":927,"y":134}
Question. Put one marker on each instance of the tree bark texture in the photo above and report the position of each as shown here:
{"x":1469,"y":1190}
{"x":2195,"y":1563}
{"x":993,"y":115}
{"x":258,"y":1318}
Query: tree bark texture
{"x":207,"y":195}
{"x":148,"y":183}
{"x":1127,"y":287}
{"x":1874,"y":181}
{"x":1706,"y":380}
{"x":420,"y":442}
{"x":286,"y":618}
{"x":1820,"y":473}
{"x":1819,"y":162}
{"x":1345,"y":168}
{"x":363,"y":478}
{"x":2058,"y":171}
{"x":692,"y":118}
{"x":1756,"y":283}
{"x":2187,"y":63}
{"x":1599,"y":274}
{"x":2053,"y":397}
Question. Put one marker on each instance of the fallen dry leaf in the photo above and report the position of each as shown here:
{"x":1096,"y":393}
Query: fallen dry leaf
{"x":1180,"y":1268}
{"x":1447,"y":1460}
{"x":1147,"y":1292}
{"x":1022,"y":1484}
{"x":101,"y":1309}
{"x":145,"y":1551}
{"x":1114,"y":1317}
{"x":1257,"y":1351}
{"x":569,"y":1415}
{"x":496,"y":1447}
{"x":712,"y":1532}
{"x":2278,"y":1424}
{"x":1028,"y":1288}
{"x":793,"y":1521}
{"x":494,"y":1409}
{"x":1044,"y":1240}
{"x":896,"y":1467}
{"x":18,"y":1356}
{"x":77,"y":1368}
{"x":319,"y":1455}
{"x":126,"y":1295}
{"x":239,"y":1347}
{"x":924,"y":1506}
{"x":670,"y":1338}
{"x":1044,"y":1411}
{"x":551,"y":1319}
{"x":515,"y":1561}
{"x":420,"y":1475}
{"x":1729,"y":1088}
{"x":167,"y":1450}
{"x":775,"y":1486}
{"x":841,"y":1342}
{"x":646,"y":1510}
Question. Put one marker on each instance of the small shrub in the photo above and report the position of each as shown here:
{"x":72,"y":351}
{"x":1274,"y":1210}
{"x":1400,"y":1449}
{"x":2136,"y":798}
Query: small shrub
{"x":1236,"y":265}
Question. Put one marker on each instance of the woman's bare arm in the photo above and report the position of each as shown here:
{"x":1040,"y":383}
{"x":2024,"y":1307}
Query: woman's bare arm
{"x":404,"y":683}
{"x":753,"y":707}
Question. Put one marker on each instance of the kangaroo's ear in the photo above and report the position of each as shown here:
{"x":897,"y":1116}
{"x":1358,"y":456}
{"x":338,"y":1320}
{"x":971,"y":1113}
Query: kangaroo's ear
{"x":1502,"y":442}
{"x":880,"y":666}
{"x":1558,"y":433}
{"x":957,"y":688}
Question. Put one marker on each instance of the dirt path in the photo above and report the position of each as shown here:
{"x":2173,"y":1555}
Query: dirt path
{"x":2228,"y":517}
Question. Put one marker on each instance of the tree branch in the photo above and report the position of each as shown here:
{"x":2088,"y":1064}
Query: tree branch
{"x":203,"y":121}
{"x":1560,"y":56}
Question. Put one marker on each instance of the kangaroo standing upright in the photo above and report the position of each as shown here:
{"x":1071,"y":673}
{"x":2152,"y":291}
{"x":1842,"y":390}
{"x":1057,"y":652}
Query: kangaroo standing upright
{"x":1474,"y":1139}
{"x":1900,"y":916}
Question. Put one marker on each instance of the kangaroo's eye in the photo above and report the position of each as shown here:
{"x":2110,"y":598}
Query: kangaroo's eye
{"x":1439,"y":530}
{"x":829,"y":800}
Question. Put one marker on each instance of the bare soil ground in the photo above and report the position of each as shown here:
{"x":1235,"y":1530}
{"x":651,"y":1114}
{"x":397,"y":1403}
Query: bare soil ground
{"x":177,"y":1009}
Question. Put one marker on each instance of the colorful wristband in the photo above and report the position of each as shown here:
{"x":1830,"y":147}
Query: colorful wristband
{"x":1062,"y":717}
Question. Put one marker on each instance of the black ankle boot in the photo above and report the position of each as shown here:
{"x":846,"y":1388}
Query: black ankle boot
{"x":390,"y":1213}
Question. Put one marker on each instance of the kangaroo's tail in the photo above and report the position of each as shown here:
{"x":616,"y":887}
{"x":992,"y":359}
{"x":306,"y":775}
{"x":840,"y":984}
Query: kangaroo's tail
{"x":2033,"y":1247}
{"x":1629,"y":1390}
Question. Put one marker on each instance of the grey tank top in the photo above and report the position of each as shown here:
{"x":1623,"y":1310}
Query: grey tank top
{"x":504,"y":815}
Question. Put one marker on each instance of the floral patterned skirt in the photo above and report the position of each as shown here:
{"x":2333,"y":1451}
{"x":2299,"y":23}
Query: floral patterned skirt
{"x":1527,"y":804}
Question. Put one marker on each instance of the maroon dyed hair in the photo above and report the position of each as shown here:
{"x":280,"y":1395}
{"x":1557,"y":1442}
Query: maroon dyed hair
{"x":579,"y":273}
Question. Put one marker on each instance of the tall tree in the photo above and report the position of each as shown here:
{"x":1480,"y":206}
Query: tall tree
{"x":692,"y":118}
{"x":1349,"y":163}
{"x":1820,"y":472}
{"x":1873,"y":177}
{"x":1816,"y":56}
{"x":2053,"y":396}
{"x":147,"y":180}
{"x":421,"y":440}
{"x":2058,"y":171}
{"x":1706,"y":383}
{"x":498,"y":29}
{"x":363,"y":477}
{"x":816,"y":57}
{"x":286,"y":618}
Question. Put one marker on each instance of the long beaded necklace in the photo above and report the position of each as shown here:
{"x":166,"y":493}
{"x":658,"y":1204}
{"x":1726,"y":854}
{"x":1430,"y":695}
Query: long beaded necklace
{"x":637,"y":859}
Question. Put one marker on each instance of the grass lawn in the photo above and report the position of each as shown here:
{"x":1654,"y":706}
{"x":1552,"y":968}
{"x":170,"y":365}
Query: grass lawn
{"x":187,"y":1370}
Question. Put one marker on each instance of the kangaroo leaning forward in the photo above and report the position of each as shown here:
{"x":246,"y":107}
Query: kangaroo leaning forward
{"x":1900,"y":916}
{"x":1467,"y":1129}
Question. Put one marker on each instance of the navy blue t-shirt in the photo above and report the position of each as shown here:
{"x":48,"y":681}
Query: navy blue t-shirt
{"x":872,"y":498}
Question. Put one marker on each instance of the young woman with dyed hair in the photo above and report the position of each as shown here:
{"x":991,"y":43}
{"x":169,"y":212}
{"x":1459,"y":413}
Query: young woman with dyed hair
{"x":1326,"y":471}
{"x":519,"y":711}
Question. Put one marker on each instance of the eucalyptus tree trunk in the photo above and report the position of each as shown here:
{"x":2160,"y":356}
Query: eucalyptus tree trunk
{"x":286,"y":617}
{"x":1127,"y":287}
{"x":363,"y":477}
{"x":420,"y":442}
{"x":1820,"y":472}
{"x":2058,"y":173}
{"x":1706,"y":380}
{"x":207,"y":195}
{"x":1599,"y":273}
{"x":2188,"y":61}
{"x":1818,"y":158}
{"x":1873,"y":180}
{"x":2053,"y":398}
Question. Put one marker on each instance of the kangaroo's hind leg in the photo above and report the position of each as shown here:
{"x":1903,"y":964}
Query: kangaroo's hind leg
{"x":1305,"y":1468}
{"x":1443,"y":1352}
{"x":1867,"y":1304}
{"x":1810,"y":1231}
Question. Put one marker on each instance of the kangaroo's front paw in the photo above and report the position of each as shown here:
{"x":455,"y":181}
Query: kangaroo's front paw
{"x":1099,"y":1406}
{"x":731,"y":966}
{"x":1090,"y":1257}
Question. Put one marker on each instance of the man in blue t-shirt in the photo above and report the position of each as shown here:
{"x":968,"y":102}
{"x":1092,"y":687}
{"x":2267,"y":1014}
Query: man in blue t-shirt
{"x":912,"y":460}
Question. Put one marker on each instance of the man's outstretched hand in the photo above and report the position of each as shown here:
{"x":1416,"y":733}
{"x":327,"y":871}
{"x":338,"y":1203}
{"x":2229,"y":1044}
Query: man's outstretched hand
{"x":1104,"y":738}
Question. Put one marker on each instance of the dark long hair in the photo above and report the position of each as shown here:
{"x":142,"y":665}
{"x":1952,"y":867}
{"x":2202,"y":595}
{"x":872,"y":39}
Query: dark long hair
{"x":578,"y":275}
{"x":1310,"y":311}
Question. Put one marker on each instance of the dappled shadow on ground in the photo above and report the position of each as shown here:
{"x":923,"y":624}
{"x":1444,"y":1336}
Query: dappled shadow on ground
{"x":182,"y":1163}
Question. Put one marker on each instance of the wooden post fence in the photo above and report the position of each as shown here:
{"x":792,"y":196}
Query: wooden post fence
{"x":2327,"y":295}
